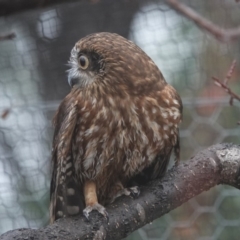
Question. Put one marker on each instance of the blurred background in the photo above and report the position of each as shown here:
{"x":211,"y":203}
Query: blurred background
{"x":33,"y":81}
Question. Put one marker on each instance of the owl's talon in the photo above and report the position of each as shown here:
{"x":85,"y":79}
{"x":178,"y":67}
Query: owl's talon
{"x":86,"y":213}
{"x":134,"y":191}
{"x":98,"y":207}
{"x":131,"y":191}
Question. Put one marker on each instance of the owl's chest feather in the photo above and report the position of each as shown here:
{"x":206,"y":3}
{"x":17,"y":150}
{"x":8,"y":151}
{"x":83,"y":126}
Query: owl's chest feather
{"x":121,"y":136}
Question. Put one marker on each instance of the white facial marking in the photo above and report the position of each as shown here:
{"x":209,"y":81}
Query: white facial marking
{"x":75,"y":71}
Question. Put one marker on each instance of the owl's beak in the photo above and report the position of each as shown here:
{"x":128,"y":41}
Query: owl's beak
{"x":79,"y":78}
{"x":72,"y":80}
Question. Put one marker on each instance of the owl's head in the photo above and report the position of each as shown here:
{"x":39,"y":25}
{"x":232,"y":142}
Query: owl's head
{"x":109,"y":59}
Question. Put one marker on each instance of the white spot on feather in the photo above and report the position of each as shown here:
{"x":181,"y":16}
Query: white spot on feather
{"x":68,"y":165}
{"x":91,"y":130}
{"x":164,"y":112}
{"x":165,"y":127}
{"x":60,"y":213}
{"x":72,"y":210}
{"x":88,"y":162}
{"x":175,"y":102}
{"x":90,"y":154}
{"x":70,"y":191}
{"x":154,"y":110}
{"x":165,"y":136}
{"x":166,"y":101}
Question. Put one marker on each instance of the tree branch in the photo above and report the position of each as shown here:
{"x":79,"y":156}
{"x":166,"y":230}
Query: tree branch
{"x":224,"y":35}
{"x":218,"y":164}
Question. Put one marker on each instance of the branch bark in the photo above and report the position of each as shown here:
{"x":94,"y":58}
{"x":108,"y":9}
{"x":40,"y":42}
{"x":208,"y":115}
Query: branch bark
{"x":224,"y":35}
{"x":219,"y":164}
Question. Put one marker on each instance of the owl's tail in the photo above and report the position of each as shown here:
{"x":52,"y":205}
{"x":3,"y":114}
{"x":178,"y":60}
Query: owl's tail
{"x":66,"y":193}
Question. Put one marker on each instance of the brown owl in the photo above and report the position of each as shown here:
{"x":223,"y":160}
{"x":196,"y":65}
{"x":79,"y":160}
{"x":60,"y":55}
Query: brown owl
{"x":117,"y":126}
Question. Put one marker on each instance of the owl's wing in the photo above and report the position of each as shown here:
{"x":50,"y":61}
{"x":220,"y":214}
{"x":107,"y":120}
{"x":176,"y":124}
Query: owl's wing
{"x":65,"y":191}
{"x":156,"y":170}
{"x":159,"y":166}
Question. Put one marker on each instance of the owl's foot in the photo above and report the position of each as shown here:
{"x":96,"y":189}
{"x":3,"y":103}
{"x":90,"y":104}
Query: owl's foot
{"x":90,"y":195}
{"x":132,"y":191}
{"x":96,"y":206}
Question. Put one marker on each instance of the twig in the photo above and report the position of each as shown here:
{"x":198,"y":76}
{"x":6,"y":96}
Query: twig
{"x":5,"y":113}
{"x":224,"y":35}
{"x":230,"y":72}
{"x":227,"y":89}
{"x":9,"y":36}
{"x":223,"y":84}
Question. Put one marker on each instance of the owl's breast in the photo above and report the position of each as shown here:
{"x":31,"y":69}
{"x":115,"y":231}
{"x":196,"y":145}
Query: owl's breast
{"x":122,"y":137}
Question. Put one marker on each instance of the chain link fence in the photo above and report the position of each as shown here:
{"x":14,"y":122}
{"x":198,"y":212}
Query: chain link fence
{"x":33,"y":81}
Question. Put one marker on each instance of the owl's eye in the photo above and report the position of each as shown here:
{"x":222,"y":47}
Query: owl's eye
{"x":83,"y":61}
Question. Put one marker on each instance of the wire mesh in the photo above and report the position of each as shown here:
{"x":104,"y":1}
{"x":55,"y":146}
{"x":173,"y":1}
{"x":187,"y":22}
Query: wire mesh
{"x":33,"y":81}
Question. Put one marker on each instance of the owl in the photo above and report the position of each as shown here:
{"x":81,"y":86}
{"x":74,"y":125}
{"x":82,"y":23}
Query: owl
{"x":115,"y":129}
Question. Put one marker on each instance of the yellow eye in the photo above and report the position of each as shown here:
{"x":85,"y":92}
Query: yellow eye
{"x":83,"y":61}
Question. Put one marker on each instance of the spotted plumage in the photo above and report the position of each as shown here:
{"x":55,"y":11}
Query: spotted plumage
{"x":118,"y":125}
